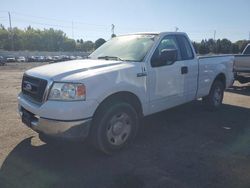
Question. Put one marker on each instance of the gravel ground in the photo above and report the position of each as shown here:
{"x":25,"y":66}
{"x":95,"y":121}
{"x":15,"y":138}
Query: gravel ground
{"x":186,"y":146}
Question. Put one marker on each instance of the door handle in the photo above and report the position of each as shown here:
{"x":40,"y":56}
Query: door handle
{"x":184,"y":70}
{"x":141,"y":74}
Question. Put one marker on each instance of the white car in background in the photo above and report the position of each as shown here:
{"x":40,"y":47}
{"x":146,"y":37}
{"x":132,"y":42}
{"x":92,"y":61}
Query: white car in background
{"x":21,"y":59}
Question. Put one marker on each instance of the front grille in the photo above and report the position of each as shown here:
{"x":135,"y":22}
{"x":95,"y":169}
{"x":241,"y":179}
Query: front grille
{"x":34,"y":88}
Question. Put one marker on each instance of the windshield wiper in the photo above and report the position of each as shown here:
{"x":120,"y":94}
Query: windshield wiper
{"x":110,"y":58}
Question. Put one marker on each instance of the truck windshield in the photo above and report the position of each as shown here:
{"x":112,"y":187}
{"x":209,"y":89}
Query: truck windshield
{"x":125,"y":48}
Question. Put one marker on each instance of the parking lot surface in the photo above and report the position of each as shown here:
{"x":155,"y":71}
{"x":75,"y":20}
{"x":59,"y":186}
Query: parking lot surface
{"x":186,"y":146}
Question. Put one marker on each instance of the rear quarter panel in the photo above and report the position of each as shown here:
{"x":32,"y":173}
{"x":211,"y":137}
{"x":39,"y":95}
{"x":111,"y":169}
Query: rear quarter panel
{"x":209,"y":68}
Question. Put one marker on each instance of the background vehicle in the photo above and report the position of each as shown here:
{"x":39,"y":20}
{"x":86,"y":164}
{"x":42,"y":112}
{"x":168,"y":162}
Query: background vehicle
{"x":128,"y":77}
{"x":79,"y":57}
{"x":48,"y":59}
{"x":40,"y":59}
{"x":11,"y":59}
{"x":64,"y":58}
{"x":2,"y":62}
{"x":242,"y":66}
{"x":72,"y":57}
{"x":31,"y":59}
{"x":56,"y":58}
{"x":21,"y":59}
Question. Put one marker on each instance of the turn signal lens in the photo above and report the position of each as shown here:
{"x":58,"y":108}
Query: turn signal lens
{"x":80,"y":90}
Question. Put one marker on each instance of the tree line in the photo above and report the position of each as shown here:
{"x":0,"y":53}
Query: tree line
{"x":220,"y":46}
{"x":56,"y":40}
{"x":43,"y":40}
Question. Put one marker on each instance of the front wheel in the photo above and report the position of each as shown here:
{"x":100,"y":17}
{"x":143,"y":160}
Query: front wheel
{"x":114,"y":126}
{"x":214,"y":100}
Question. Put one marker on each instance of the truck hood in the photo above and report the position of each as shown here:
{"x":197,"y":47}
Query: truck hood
{"x":58,"y":71}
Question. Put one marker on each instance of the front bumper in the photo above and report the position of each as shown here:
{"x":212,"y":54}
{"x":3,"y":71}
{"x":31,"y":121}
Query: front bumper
{"x":70,"y":130}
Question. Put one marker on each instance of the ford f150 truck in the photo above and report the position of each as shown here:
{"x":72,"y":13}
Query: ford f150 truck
{"x":131,"y":76}
{"x":242,"y":66}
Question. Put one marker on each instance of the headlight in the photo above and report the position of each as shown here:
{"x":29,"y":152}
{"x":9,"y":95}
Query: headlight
{"x":67,"y":91}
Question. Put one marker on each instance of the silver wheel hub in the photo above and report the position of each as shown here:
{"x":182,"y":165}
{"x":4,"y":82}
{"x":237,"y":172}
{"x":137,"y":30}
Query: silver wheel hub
{"x":119,"y":129}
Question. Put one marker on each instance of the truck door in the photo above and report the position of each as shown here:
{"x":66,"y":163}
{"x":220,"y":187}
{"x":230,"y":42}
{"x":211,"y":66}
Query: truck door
{"x":189,"y":70}
{"x":165,"y":82}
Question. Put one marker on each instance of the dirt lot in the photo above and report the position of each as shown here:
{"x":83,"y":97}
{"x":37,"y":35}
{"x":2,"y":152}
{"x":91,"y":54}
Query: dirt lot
{"x":183,"y":147}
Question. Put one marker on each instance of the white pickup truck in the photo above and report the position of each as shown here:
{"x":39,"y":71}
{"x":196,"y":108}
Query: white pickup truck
{"x":131,"y":76}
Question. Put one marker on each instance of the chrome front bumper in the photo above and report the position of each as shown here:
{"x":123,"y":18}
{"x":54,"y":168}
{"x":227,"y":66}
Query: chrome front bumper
{"x":70,"y":130}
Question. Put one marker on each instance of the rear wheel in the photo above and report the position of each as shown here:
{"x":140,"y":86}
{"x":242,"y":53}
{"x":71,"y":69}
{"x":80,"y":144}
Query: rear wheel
{"x":114,"y":126}
{"x":214,"y":100}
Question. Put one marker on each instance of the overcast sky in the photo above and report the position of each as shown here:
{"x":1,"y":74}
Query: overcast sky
{"x":92,"y":19}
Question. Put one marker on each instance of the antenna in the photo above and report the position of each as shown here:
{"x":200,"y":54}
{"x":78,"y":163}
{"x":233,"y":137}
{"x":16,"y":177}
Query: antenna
{"x":176,"y":29}
{"x":112,"y":29}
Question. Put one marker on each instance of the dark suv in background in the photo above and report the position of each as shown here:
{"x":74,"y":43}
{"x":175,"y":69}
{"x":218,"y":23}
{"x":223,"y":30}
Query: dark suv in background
{"x":2,"y":62}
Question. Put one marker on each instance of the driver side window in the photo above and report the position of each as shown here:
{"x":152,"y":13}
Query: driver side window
{"x":167,"y":43}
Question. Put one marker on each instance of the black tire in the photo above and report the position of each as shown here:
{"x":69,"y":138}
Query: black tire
{"x":114,"y":126}
{"x":214,"y":100}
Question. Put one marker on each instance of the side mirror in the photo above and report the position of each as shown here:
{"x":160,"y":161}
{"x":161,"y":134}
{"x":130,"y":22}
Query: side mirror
{"x":167,"y":56}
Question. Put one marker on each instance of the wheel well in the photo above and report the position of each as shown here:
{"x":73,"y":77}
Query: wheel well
{"x":221,"y":77}
{"x":123,"y":96}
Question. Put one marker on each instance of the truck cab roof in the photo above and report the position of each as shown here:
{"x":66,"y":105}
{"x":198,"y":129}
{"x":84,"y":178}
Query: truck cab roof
{"x":156,"y":33}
